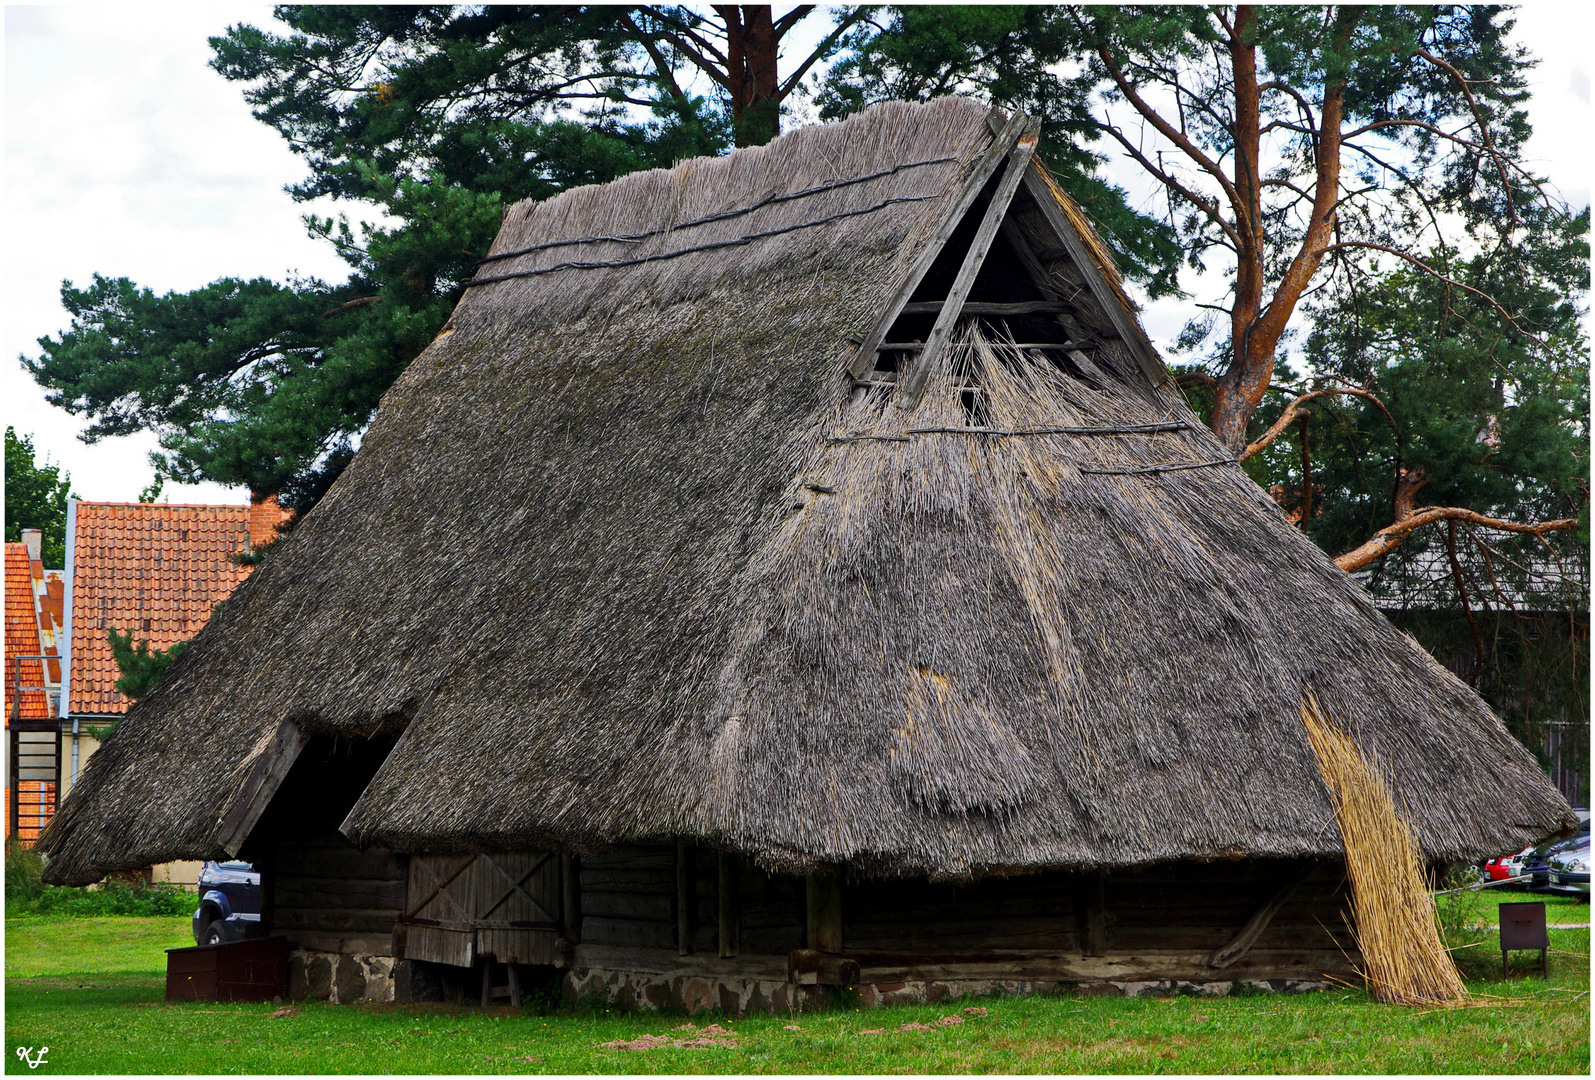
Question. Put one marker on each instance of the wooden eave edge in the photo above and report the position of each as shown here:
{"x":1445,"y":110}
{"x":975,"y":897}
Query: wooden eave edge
{"x":1007,"y":138}
{"x":266,"y":774}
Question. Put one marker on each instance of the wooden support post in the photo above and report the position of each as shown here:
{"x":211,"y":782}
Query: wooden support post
{"x":570,"y":900}
{"x":729,"y":894}
{"x":825,"y":912}
{"x":515,"y":986}
{"x":266,"y":865}
{"x":1091,"y":914}
{"x":686,"y":899}
{"x":936,"y":344}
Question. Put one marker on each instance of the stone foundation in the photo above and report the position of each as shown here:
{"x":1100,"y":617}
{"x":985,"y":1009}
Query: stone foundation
{"x":648,"y":992}
{"x":339,"y":978}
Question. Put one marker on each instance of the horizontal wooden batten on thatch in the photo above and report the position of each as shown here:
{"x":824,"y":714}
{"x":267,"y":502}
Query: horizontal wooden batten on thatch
{"x":822,"y":508}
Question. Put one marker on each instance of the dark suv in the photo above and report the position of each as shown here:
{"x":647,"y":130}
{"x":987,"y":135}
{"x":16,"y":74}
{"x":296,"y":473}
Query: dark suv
{"x":229,"y":903}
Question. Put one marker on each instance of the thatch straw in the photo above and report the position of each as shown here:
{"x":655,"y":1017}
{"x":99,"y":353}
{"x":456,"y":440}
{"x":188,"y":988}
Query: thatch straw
{"x":1405,"y":962}
{"x":626,"y":557}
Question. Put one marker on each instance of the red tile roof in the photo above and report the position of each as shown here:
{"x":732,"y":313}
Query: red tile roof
{"x":22,"y":636}
{"x":154,"y":569}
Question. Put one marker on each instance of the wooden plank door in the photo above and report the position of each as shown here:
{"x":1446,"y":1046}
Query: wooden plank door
{"x":505,"y":906}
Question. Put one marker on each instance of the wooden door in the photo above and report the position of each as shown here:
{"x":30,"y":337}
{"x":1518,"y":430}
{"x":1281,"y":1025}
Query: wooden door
{"x":505,"y":906}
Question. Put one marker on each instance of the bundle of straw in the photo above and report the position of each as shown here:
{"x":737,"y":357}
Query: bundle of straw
{"x":1404,"y":960}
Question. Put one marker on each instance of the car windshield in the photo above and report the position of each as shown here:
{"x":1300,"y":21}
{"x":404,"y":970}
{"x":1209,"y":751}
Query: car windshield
{"x":1555,"y":847}
{"x":234,"y":864}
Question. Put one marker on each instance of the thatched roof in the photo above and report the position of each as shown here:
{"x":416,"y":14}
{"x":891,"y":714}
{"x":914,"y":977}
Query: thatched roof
{"x":627,"y":555}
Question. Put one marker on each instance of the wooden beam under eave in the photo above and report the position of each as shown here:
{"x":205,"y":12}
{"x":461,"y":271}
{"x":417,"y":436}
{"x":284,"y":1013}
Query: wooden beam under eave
{"x":265,"y":776}
{"x":936,"y":345}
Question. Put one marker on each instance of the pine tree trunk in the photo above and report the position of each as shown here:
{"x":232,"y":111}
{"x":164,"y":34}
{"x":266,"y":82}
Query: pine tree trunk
{"x":751,"y":49}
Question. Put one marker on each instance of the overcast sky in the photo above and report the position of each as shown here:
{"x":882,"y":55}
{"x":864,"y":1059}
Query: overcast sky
{"x":126,"y":155}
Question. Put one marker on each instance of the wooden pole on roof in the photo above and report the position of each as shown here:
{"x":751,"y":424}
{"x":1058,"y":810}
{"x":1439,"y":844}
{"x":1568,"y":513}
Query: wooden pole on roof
{"x":936,"y":345}
{"x":974,"y":183}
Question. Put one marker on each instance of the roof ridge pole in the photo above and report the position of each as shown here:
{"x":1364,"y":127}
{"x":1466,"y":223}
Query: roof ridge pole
{"x":936,"y":344}
{"x":973,"y":184}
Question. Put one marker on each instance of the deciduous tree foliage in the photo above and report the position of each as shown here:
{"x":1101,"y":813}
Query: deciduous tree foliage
{"x":36,"y":498}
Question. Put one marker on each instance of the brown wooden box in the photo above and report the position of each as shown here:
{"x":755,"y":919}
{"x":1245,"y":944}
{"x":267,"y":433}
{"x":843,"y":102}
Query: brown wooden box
{"x":236,"y":971}
{"x":1522,"y":929}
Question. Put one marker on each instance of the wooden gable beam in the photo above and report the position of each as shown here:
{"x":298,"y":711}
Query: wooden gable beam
{"x":1070,"y":242}
{"x":1007,"y":136}
{"x":1124,"y":322}
{"x":930,"y":358}
{"x":1043,"y":281}
{"x":265,"y":776}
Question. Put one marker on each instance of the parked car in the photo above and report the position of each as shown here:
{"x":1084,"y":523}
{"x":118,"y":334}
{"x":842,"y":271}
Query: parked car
{"x":1570,"y":870}
{"x":1506,"y":866}
{"x":1539,"y":863}
{"x":229,"y":902}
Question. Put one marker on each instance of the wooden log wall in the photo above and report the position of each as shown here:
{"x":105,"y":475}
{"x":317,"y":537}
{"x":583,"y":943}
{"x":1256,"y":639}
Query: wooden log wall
{"x":896,"y":920}
{"x":643,"y":897}
{"x":317,"y":888}
{"x":1158,"y":922}
{"x":1204,"y":906}
{"x":331,"y":896}
{"x":628,"y":898}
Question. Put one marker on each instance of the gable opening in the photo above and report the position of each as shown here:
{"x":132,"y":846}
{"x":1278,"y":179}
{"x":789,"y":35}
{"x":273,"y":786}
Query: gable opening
{"x":1026,"y":290}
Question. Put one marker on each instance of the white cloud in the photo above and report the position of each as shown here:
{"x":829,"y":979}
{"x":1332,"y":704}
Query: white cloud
{"x":126,"y":155}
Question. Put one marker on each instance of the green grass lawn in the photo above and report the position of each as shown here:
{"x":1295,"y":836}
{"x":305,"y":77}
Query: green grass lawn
{"x":91,"y":990}
{"x":1480,"y":906}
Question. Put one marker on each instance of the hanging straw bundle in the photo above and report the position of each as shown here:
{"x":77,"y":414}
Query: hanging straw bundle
{"x":1405,"y":962}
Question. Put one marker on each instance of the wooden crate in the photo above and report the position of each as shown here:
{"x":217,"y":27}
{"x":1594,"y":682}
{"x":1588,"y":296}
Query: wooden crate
{"x":235,"y":971}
